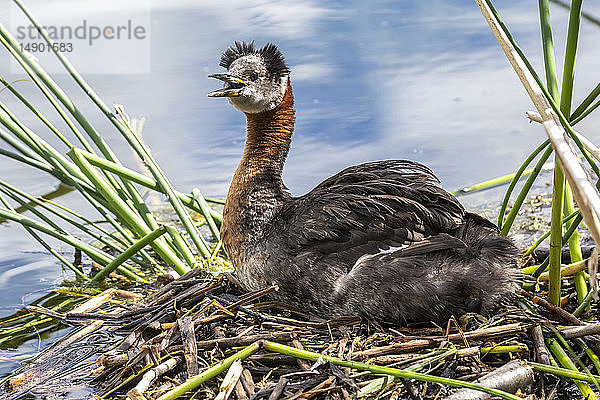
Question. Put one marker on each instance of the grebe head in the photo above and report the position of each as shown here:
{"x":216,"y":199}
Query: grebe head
{"x":256,"y":79}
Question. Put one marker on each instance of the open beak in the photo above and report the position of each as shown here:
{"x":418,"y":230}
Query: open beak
{"x":232,"y":87}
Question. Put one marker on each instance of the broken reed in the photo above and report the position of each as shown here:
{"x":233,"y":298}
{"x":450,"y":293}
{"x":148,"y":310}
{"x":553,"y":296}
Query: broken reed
{"x":562,"y":206}
{"x":313,"y":356}
{"x":100,"y":178}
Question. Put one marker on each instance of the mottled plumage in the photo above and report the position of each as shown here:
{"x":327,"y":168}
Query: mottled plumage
{"x":381,"y":240}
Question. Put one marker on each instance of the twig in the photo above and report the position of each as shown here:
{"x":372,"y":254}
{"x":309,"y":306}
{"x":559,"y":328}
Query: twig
{"x":45,"y":311}
{"x":279,"y":388}
{"x":571,"y":332}
{"x":418,"y":344}
{"x":563,"y":314}
{"x":510,"y":377}
{"x":309,"y":355}
{"x":303,"y":364}
{"x":541,"y":353}
{"x":27,"y":380}
{"x":149,"y":377}
{"x":247,"y":382}
{"x":245,"y":340}
{"x":230,"y":380}
{"x":209,"y":373}
{"x":253,"y":296}
{"x":588,"y":144}
{"x":239,"y":391}
{"x":322,"y":387}
{"x":190,"y":349}
{"x":274,"y":359}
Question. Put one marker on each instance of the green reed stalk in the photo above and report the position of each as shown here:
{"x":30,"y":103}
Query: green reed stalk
{"x":128,"y":134}
{"x":85,"y":220}
{"x":94,"y":253}
{"x":566,"y":362}
{"x":124,"y":256}
{"x":312,"y":356}
{"x":502,"y":349}
{"x":586,"y":113}
{"x":512,"y":179}
{"x":33,"y":210}
{"x":46,"y":245}
{"x":181,"y":246}
{"x":43,"y":81}
{"x":559,"y":178}
{"x":63,"y":169}
{"x":206,"y":213}
{"x":115,"y":194}
{"x":565,"y":107}
{"x":520,"y":172}
{"x":148,"y":182}
{"x":29,"y":161}
{"x":561,"y":117}
{"x":20,"y":147}
{"x":125,"y":188}
{"x":101,"y":205}
{"x":537,"y":243}
{"x":593,"y":357}
{"x":584,"y":305}
{"x":94,"y":198}
{"x":144,"y":153}
{"x":209,"y":373}
{"x":119,"y":206}
{"x":583,"y":107}
{"x":576,"y":221}
{"x":562,"y":372}
{"x":39,"y":145}
{"x":33,"y":70}
{"x":41,"y":117}
{"x":548,"y":47}
{"x":570,"y":53}
{"x":556,"y":235}
{"x":567,"y":346}
{"x":567,"y":126}
{"x":33,"y":201}
{"x":510,"y":218}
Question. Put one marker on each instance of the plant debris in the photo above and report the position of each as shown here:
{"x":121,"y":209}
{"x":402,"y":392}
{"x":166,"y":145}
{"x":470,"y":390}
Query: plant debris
{"x":200,"y":336}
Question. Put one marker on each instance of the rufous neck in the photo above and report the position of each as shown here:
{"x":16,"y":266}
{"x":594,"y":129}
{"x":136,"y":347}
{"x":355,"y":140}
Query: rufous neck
{"x":268,"y":138}
{"x":257,"y":190}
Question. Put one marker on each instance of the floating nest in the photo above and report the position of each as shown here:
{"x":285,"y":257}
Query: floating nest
{"x":201,"y":337}
{"x":204,"y":333}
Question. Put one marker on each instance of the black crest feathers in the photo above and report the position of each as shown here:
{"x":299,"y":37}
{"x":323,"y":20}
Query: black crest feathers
{"x":270,"y":53}
{"x":239,"y":49}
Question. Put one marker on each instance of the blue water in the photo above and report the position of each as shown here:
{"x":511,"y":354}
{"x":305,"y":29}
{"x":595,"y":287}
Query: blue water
{"x":372,"y":80}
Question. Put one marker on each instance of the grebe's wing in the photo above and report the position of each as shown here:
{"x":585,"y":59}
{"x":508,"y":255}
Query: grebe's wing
{"x":371,"y":207}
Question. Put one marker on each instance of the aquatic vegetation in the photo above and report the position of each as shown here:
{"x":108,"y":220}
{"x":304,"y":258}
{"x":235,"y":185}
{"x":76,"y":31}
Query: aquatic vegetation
{"x":127,"y":239}
{"x":570,"y":180}
{"x":90,"y":166}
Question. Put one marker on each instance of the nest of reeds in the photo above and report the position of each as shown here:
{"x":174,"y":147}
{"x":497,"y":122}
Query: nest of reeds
{"x":202,"y":337}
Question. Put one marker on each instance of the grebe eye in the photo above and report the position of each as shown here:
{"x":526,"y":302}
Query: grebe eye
{"x":254,"y":76}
